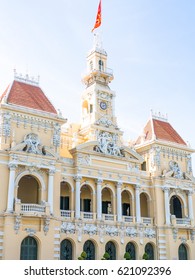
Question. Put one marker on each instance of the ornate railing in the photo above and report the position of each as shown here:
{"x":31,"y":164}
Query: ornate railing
{"x":128,"y":219}
{"x":146,"y":220}
{"x":108,"y":217}
{"x":65,"y":214}
{"x":28,"y":207}
{"x":87,"y":215}
{"x":183,"y":221}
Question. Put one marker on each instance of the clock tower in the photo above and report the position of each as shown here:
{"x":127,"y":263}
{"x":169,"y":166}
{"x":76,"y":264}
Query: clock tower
{"x":98,"y":112}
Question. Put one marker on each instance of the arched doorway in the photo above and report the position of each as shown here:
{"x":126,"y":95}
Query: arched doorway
{"x":176,"y":207}
{"x":111,"y":250}
{"x":149,"y":250}
{"x":182,"y":252}
{"x":126,"y":203}
{"x":66,"y":250}
{"x":29,"y":190}
{"x":89,"y":248}
{"x":86,"y":198}
{"x":28,"y":249}
{"x":130,"y":248}
{"x":107,"y":201}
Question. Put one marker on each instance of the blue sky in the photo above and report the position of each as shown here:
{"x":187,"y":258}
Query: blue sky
{"x":150,"y":46}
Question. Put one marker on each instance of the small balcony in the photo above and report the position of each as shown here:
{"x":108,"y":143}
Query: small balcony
{"x":31,"y":209}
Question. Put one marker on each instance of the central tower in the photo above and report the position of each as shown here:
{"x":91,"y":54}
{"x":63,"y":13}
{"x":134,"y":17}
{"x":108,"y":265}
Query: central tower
{"x":98,"y":107}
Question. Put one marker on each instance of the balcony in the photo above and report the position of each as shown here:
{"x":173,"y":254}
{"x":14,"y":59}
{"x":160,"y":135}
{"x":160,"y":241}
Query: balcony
{"x":181,"y":222}
{"x":88,"y":215}
{"x":27,"y":207}
{"x":31,"y":209}
{"x":67,"y":214}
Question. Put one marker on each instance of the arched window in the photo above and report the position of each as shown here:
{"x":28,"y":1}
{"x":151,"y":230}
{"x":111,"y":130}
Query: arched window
{"x":28,"y":249}
{"x":66,"y":250}
{"x":101,"y":65}
{"x":176,"y":208}
{"x":150,"y":251}
{"x":111,"y":250}
{"x":130,"y":248}
{"x":89,"y":248}
{"x":182,"y":252}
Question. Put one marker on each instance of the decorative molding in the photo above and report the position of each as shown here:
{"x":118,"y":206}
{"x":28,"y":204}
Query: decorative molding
{"x":131,"y":232}
{"x":175,"y":232}
{"x":68,"y":228}
{"x":90,"y":229}
{"x":149,"y":233}
{"x":17,"y":224}
{"x":108,"y":144}
{"x":84,"y":160}
{"x":5,"y":124}
{"x":46,"y":225}
{"x":30,"y":231}
{"x":56,"y":135}
{"x":111,"y":231}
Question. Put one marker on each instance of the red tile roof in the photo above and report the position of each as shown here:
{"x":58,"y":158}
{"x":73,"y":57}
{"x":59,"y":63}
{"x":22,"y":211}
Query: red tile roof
{"x":28,"y":95}
{"x":160,"y":130}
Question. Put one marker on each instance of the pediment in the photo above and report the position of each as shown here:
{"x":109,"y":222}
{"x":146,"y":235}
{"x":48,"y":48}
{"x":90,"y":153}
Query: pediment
{"x":89,"y":147}
{"x":31,"y":144}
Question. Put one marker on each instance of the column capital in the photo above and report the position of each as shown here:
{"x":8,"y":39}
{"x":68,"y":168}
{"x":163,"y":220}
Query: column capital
{"x":12,"y":166}
{"x":119,"y":184}
{"x":190,"y":192}
{"x":51,"y":171}
{"x":137,"y":186}
{"x":77,"y":178}
{"x":166,"y":189}
{"x":99,"y":181}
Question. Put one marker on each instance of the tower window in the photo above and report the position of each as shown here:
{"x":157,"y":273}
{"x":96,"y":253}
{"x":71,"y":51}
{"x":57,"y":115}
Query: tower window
{"x":101,"y":65}
{"x":91,"y":65}
{"x":91,"y":108}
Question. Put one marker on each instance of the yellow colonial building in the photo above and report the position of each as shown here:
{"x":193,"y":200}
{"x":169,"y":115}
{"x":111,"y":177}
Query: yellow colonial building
{"x":72,"y":189}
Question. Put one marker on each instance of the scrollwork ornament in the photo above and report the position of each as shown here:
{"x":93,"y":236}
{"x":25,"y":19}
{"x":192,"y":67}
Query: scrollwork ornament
{"x":17,"y":223}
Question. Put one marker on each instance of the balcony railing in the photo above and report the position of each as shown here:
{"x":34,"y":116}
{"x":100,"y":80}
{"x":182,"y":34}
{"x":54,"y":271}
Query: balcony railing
{"x":65,"y":214}
{"x":108,"y":217}
{"x":88,"y":215}
{"x":28,"y":207}
{"x":183,"y":221}
{"x":128,"y":219}
{"x":146,"y":220}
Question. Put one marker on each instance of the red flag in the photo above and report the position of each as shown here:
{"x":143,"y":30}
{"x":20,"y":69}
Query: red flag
{"x":99,"y":16}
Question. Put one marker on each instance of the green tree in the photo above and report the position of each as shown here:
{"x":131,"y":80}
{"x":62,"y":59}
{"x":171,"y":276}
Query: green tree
{"x":83,"y":256}
{"x":106,"y":256}
{"x":127,"y":256}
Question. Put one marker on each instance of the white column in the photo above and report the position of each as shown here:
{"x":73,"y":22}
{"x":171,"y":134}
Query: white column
{"x":10,"y":198}
{"x":99,"y":199}
{"x":167,"y":206}
{"x":190,"y":205}
{"x":50,"y":189}
{"x":119,"y":203}
{"x":77,"y":196}
{"x":137,"y":203}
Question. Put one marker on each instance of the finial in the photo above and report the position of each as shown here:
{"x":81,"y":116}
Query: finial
{"x":26,"y":78}
{"x":159,"y":116}
{"x":97,"y":40}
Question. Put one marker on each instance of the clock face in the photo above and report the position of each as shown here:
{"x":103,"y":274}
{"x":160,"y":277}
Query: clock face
{"x":103,"y":105}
